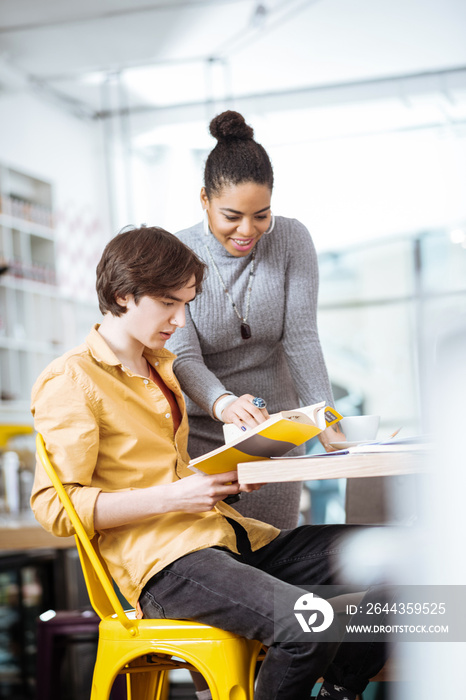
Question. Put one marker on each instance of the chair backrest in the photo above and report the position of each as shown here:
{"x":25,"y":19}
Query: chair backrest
{"x":99,"y":584}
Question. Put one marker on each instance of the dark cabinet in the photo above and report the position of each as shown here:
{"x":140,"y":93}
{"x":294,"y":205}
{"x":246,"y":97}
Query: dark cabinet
{"x":27,"y":589}
{"x":32,"y":583}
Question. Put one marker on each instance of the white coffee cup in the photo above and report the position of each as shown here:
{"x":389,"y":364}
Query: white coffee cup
{"x":360,"y":428}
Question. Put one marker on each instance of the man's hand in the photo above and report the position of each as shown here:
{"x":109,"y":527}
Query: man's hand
{"x":192,"y":494}
{"x":198,"y":493}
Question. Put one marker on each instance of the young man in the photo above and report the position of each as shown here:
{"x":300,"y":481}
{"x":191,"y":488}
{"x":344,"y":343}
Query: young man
{"x":114,"y":423}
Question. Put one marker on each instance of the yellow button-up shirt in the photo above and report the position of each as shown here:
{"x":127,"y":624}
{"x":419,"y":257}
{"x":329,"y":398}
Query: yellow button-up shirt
{"x":108,"y":429}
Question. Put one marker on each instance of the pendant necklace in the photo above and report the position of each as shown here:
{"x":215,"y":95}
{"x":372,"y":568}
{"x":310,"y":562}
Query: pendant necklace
{"x":245,"y":327}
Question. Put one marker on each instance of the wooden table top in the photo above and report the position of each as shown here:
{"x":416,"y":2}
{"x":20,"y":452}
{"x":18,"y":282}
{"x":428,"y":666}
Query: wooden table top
{"x":21,"y":532}
{"x":333,"y":466}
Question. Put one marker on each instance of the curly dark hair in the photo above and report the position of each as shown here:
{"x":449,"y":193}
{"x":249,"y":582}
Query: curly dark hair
{"x":237,"y":157}
{"x":146,"y":261}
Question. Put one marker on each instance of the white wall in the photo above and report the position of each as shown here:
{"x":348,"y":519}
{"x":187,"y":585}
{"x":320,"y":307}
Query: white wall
{"x":166,"y":188}
{"x":345,"y":188}
{"x":354,"y":189}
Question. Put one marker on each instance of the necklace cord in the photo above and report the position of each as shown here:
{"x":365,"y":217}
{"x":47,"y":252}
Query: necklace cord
{"x":244,"y":318}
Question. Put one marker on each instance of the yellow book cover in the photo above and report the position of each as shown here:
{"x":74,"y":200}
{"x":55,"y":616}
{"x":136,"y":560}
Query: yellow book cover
{"x":275,"y":437}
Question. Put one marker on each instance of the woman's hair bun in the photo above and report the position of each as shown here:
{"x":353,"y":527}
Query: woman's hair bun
{"x":230,"y":125}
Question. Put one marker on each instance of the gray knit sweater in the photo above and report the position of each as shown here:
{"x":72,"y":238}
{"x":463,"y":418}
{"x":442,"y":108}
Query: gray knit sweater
{"x":282,"y":362}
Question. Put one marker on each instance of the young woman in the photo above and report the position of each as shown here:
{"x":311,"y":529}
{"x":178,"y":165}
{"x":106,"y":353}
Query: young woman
{"x":253,"y":333}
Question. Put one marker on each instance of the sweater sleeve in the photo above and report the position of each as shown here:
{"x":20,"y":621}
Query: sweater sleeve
{"x":196,"y":380}
{"x":300,"y":337}
{"x":64,"y":416}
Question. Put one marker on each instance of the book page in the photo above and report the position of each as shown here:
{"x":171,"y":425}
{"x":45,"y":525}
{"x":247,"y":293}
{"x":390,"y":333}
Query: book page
{"x":308,"y":415}
{"x":319,"y":414}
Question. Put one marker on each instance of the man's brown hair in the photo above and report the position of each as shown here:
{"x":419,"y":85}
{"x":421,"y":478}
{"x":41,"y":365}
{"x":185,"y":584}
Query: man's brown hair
{"x":146,"y":261}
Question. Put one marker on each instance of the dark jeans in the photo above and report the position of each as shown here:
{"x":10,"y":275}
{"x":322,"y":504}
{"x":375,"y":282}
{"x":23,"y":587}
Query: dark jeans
{"x":236,"y":593}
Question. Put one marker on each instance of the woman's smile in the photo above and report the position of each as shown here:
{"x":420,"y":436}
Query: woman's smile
{"x":243,"y":244}
{"x":239,"y":216}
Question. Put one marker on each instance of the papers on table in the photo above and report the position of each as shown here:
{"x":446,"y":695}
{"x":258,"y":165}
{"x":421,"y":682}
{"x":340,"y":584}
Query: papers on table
{"x":417,"y":443}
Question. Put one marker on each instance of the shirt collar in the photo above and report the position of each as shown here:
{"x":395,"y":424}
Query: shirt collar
{"x":102,"y":353}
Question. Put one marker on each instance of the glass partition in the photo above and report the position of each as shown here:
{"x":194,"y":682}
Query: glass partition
{"x":381,"y":306}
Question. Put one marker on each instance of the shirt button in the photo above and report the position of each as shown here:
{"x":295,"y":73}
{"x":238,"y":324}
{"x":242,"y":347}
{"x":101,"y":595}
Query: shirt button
{"x":167,"y":415}
{"x":146,"y":381}
{"x":156,"y":364}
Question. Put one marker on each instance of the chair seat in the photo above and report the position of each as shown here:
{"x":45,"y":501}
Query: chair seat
{"x":226,"y":660}
{"x":110,"y":628}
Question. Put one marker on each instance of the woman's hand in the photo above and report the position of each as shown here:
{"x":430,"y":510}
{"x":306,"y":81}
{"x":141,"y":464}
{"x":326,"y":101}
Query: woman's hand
{"x":243,"y":413}
{"x":331,"y":434}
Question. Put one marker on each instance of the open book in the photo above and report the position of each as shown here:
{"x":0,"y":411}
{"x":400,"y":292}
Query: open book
{"x":275,"y":437}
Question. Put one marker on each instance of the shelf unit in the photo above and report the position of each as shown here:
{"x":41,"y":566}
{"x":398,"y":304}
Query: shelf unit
{"x":31,"y":328}
{"x":36,"y":325}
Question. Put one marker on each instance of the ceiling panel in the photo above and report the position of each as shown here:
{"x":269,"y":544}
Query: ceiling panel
{"x":163,"y":49}
{"x":91,"y":41}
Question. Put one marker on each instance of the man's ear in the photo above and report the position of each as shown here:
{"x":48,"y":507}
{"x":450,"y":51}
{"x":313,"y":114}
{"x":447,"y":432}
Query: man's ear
{"x":122,"y":301}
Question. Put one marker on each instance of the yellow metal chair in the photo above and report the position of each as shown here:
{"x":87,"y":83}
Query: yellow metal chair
{"x":145,"y":650}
